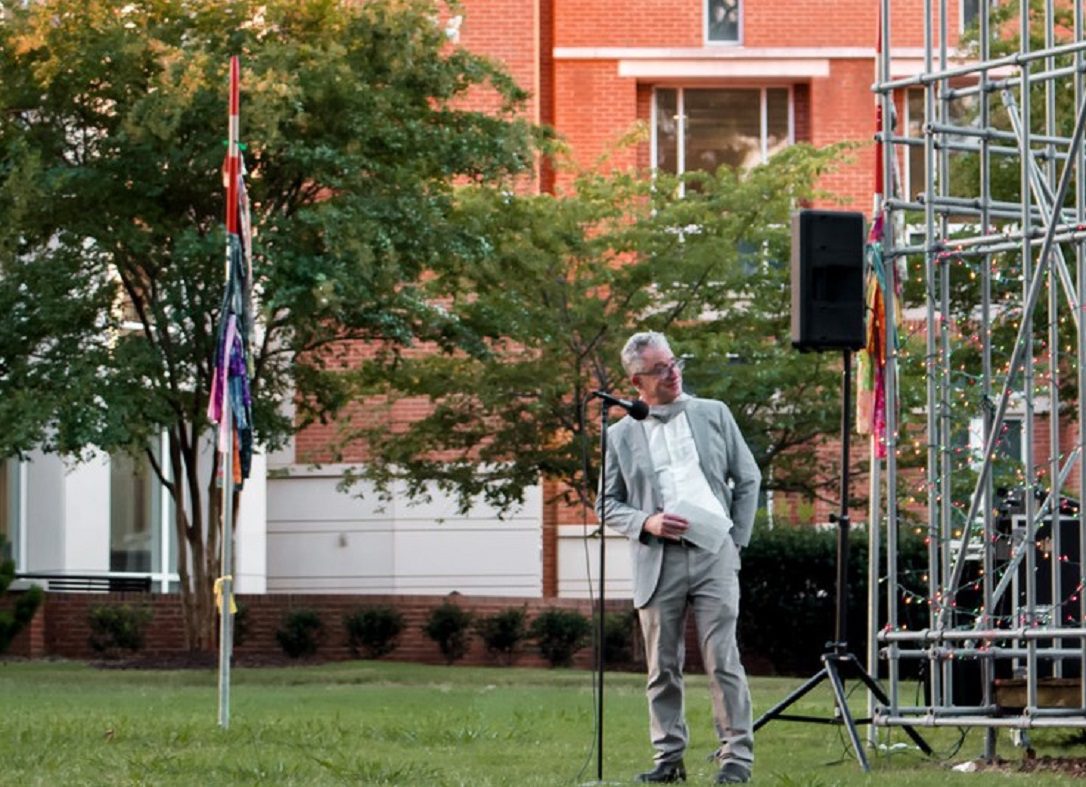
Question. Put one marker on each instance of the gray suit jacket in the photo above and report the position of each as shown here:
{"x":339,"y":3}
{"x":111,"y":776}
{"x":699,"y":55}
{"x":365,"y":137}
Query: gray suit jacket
{"x":630,"y":493}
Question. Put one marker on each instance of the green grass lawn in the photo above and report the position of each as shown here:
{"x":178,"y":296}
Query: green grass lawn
{"x":396,"y":723}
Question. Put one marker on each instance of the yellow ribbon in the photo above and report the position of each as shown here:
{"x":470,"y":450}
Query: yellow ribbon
{"x":218,"y":595}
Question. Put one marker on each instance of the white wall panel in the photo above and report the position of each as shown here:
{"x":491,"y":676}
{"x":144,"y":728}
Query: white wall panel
{"x":86,"y":515}
{"x":45,"y":510}
{"x":323,"y":540}
{"x":578,"y":574}
{"x":251,"y":542}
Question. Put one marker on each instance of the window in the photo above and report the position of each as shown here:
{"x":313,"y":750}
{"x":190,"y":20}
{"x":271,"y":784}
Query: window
{"x":1009,"y":447}
{"x":722,"y":21}
{"x":970,"y":10}
{"x":914,"y":125}
{"x":704,"y":128}
{"x":961,"y":111}
{"x":135,"y":514}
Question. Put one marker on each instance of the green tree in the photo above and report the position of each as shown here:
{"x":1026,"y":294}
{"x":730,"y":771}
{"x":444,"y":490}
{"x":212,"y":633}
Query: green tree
{"x":566,"y":282}
{"x":112,"y":128}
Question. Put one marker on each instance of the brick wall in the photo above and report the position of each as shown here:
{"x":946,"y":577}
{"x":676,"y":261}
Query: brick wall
{"x":593,"y":108}
{"x":63,"y":623}
{"x":506,"y":31}
{"x":766,"y":23}
{"x":30,"y":641}
{"x":60,"y":628}
{"x":843,"y":23}
{"x":843,"y":110}
{"x":633,"y":23}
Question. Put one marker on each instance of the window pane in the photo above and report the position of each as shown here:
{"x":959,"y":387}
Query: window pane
{"x":970,"y":9}
{"x":1010,"y":440}
{"x":667,"y":131}
{"x":915,"y":111}
{"x":134,"y":514}
{"x":777,"y":136}
{"x":722,"y":127}
{"x":723,"y":20}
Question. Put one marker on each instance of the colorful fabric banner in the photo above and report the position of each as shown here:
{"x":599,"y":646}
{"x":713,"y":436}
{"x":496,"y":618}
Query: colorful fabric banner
{"x":230,"y":381}
{"x":882,"y":287}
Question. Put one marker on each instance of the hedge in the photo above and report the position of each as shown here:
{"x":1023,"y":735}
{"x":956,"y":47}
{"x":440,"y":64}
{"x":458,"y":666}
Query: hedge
{"x":789,"y":602}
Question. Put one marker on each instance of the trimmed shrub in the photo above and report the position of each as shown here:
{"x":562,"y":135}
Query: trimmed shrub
{"x":449,"y":626}
{"x":241,"y":623}
{"x":375,"y":629}
{"x":117,"y":627}
{"x":560,"y":633}
{"x":788,"y":610}
{"x":21,"y":612}
{"x":503,"y":632}
{"x":299,"y":634}
{"x":619,"y":631}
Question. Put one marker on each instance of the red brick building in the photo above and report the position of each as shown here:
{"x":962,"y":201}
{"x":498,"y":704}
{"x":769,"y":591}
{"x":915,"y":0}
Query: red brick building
{"x":714,"y":82}
{"x":778,"y":71}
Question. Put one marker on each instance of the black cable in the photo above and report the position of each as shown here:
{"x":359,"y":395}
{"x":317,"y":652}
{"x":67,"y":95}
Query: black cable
{"x":957,"y":746}
{"x":846,"y":746}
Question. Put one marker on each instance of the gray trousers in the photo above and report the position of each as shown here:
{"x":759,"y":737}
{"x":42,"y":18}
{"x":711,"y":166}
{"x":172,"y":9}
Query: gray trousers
{"x":709,"y":585}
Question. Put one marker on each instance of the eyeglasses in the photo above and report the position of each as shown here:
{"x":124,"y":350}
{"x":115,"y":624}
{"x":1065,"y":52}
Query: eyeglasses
{"x":663,"y":370}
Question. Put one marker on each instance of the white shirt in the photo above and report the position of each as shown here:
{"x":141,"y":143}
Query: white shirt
{"x":678,"y":470}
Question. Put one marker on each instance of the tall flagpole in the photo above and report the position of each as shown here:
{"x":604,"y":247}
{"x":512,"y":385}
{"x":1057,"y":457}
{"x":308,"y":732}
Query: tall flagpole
{"x":226,"y":581}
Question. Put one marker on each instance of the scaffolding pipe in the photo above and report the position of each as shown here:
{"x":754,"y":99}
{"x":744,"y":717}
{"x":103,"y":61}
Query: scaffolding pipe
{"x":1007,"y":61}
{"x":1040,"y":231}
{"x":1030,"y":633}
{"x":1025,"y":722}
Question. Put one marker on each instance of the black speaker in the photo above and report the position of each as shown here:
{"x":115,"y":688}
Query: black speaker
{"x":827,"y":280}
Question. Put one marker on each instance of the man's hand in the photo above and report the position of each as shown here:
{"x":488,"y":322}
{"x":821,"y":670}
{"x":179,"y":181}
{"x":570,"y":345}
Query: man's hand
{"x":665,"y":525}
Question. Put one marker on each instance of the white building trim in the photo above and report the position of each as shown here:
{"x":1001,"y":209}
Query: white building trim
{"x":731,"y":68}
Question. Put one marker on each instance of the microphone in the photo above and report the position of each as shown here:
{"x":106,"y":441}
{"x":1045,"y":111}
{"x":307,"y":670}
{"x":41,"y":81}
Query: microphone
{"x":637,"y":409}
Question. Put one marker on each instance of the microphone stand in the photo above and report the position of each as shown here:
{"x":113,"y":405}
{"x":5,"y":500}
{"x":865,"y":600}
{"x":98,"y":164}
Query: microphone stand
{"x":638,"y":410}
{"x":603,"y":551}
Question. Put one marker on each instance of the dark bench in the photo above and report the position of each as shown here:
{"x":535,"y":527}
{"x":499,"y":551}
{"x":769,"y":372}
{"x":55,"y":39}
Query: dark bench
{"x":89,"y":583}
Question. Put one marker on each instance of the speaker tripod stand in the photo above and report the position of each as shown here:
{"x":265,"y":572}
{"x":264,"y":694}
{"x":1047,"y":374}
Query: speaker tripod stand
{"x":837,"y":663}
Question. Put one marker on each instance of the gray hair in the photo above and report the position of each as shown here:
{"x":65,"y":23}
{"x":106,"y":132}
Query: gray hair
{"x":637,"y":344}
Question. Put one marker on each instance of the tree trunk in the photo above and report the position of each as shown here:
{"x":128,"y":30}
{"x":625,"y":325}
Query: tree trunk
{"x":197,"y":558}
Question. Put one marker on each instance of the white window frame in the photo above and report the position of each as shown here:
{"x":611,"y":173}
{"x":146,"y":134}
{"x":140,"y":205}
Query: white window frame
{"x":707,"y":21}
{"x":977,"y":438}
{"x":961,"y":12}
{"x":165,"y":576}
{"x":680,"y":121}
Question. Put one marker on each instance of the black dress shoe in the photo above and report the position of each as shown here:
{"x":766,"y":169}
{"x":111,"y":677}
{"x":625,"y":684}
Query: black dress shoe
{"x":733,"y":773}
{"x":665,"y":773}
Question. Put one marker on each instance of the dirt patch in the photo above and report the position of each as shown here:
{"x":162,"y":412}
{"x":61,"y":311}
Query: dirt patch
{"x":1031,"y":763}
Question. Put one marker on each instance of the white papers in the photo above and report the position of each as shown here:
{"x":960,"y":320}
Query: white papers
{"x":707,"y":528}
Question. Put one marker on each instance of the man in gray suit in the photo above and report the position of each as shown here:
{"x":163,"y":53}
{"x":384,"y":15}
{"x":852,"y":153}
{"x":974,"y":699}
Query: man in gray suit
{"x":682,"y":486}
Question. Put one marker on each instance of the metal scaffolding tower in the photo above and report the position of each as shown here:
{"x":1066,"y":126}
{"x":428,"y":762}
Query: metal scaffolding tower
{"x":986,"y":199}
